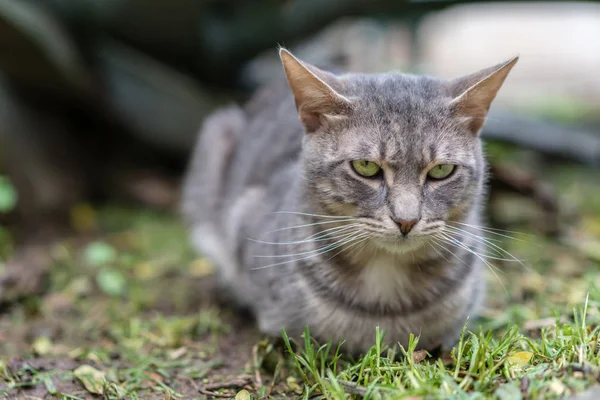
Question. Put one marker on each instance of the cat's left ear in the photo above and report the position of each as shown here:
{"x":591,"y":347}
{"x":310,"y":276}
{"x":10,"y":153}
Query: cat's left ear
{"x":473,"y":94}
{"x":315,"y":97}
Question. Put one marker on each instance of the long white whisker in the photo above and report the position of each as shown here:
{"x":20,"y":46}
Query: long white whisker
{"x":440,"y":240}
{"x":463,"y":245}
{"x":490,"y":228}
{"x":313,"y":215}
{"x":492,"y":268}
{"x":482,"y":240}
{"x":306,"y":225}
{"x":437,"y":251}
{"x":485,"y":252}
{"x":342,"y":238}
{"x":359,"y":236}
{"x":498,"y":249}
{"x":317,"y":237}
{"x":362,"y":240}
{"x":331,"y":231}
{"x":492,"y":231}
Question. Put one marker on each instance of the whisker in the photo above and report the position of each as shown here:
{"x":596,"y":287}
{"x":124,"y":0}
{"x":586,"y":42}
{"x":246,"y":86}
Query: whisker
{"x":307,"y":225}
{"x":491,"y":257}
{"x":463,"y":246}
{"x":485,"y":241}
{"x":364,"y":244}
{"x":491,"y":267}
{"x":437,"y":239}
{"x":317,"y":237}
{"x":342,"y":238}
{"x":329,"y":231}
{"x":363,"y":240}
{"x":491,"y":228}
{"x":494,"y":231}
{"x":312,"y":255}
{"x":437,"y":251}
{"x":496,"y":249}
{"x":313,"y":215}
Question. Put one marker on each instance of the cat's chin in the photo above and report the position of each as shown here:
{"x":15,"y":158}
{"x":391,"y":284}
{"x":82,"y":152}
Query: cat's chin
{"x":401,"y":246}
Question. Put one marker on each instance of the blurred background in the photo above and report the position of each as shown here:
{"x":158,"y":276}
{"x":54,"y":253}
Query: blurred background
{"x":101,"y":102}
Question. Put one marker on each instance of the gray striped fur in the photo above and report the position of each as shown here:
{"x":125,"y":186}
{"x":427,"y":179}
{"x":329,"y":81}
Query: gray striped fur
{"x":253,"y":166}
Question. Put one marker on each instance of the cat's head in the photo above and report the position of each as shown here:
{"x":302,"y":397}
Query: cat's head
{"x":400,"y":153}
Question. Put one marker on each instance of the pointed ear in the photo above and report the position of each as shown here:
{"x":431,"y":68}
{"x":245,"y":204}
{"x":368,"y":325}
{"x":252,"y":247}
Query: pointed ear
{"x":473,"y":94}
{"x":315,"y":99}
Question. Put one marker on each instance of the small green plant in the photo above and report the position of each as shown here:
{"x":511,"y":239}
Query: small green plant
{"x":8,"y":201}
{"x":8,"y":195}
{"x":493,"y":367}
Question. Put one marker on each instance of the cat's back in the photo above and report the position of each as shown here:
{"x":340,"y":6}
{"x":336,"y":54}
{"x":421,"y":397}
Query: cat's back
{"x":271,"y":140}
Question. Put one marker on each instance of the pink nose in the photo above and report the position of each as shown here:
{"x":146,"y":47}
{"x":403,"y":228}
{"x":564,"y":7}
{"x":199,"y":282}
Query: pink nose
{"x":406,"y":225}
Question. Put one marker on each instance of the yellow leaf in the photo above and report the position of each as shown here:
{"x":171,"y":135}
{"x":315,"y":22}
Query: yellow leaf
{"x":520,"y":358}
{"x":42,"y":346}
{"x":92,"y":379}
{"x":201,"y":268}
{"x":242,"y":395}
{"x":293,"y":384}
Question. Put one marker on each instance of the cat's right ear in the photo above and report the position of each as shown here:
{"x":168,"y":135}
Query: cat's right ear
{"x":315,"y":99}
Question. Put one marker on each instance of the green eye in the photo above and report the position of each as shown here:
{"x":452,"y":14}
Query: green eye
{"x":366,"y":168}
{"x":441,"y":171}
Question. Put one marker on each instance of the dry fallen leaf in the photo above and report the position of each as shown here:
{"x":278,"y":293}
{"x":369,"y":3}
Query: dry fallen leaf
{"x":175,"y":354}
{"x":91,"y":378}
{"x":154,"y":378}
{"x":419,"y":356}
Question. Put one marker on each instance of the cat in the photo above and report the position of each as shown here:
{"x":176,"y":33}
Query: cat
{"x":345,"y":202}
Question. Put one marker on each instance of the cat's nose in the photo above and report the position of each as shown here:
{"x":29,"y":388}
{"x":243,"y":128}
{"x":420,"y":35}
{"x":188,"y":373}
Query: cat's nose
{"x":406,"y":225}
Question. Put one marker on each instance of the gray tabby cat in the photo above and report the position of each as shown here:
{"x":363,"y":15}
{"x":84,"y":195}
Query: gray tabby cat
{"x":361,"y":212}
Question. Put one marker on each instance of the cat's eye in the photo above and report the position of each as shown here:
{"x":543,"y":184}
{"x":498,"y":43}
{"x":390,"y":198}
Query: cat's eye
{"x":366,"y":168}
{"x":441,"y":171}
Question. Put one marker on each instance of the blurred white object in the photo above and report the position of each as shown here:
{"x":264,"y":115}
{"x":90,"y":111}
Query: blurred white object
{"x":559,"y":44}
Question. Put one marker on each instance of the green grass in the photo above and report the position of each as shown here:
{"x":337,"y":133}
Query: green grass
{"x":563,"y":360}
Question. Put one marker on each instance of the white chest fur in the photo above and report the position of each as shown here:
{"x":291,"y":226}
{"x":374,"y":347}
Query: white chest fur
{"x":385,"y":280}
